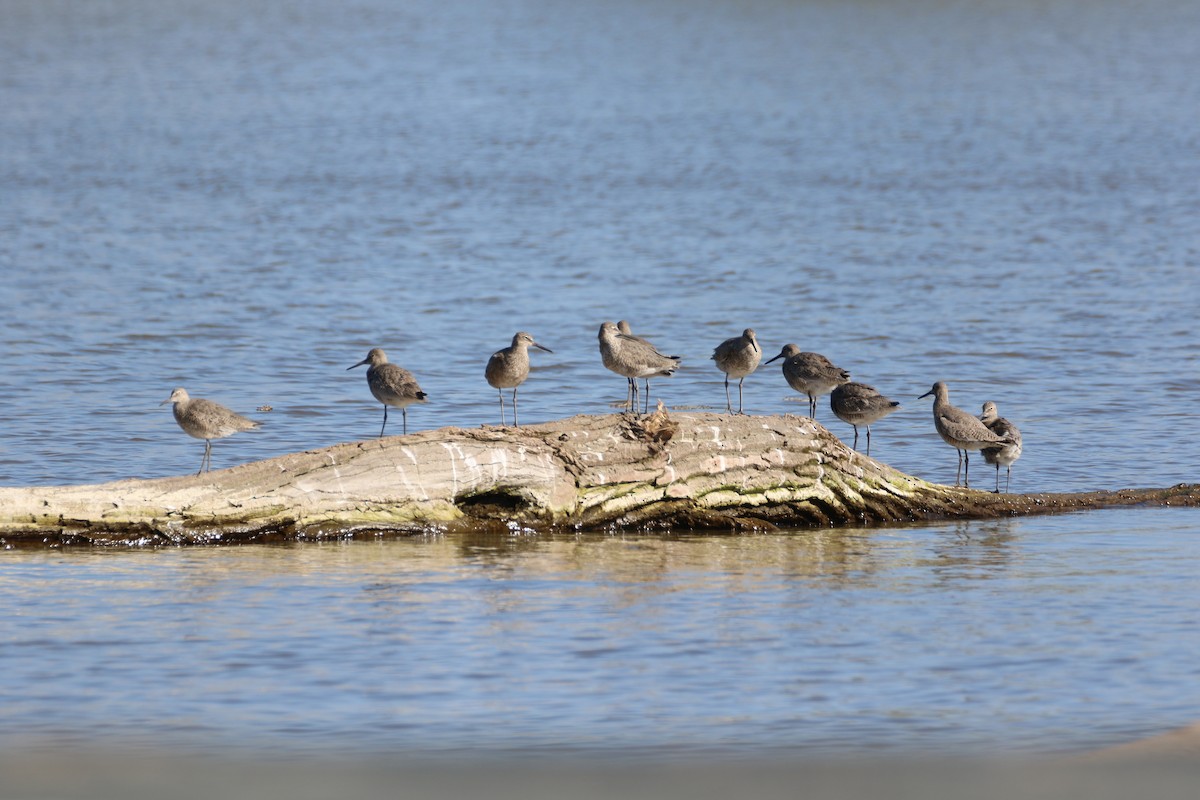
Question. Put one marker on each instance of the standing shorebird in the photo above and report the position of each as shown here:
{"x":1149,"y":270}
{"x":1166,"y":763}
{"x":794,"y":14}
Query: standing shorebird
{"x":962,"y":431}
{"x":737,"y":358}
{"x":508,"y":368}
{"x":860,"y":404}
{"x":810,"y":373}
{"x":634,"y":358}
{"x":1005,"y":455}
{"x":392,"y":385}
{"x":204,"y":419}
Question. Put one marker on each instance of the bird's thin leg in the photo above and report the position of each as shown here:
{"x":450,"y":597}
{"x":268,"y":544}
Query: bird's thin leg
{"x":384,"y":425}
{"x":404,"y":416}
{"x":740,"y":411}
{"x":966,"y":469}
{"x":997,"y":479}
{"x":515,"y":423}
{"x":646,"y":410}
{"x":812,"y":406}
{"x":855,"y":445}
{"x":501,"y":392}
{"x":1007,"y":478}
{"x":728,"y":404}
{"x":958,"y":472}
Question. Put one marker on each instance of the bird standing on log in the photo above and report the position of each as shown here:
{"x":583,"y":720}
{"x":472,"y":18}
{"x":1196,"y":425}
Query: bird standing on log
{"x":508,"y":369}
{"x":204,"y":419}
{"x":391,"y":385}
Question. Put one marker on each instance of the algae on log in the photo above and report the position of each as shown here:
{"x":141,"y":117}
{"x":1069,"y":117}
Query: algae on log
{"x":588,"y":472}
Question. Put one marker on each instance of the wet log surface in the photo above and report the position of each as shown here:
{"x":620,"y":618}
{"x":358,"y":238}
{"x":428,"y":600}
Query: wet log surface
{"x":612,"y":472}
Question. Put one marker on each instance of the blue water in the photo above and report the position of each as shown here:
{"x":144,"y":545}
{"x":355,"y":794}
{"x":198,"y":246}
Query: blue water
{"x":243,"y":198}
{"x":1016,"y":636}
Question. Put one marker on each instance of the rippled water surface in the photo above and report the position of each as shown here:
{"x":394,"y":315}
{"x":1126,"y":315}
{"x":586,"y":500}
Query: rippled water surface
{"x":242,"y":198}
{"x":1002,"y":637}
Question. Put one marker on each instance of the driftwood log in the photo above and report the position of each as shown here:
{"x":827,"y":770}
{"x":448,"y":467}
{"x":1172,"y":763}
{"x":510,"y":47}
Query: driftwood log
{"x":613,"y":472}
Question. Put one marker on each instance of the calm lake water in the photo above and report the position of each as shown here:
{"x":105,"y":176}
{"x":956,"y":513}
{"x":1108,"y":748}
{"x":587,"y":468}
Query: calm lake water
{"x":243,"y":198}
{"x":1015,"y":637}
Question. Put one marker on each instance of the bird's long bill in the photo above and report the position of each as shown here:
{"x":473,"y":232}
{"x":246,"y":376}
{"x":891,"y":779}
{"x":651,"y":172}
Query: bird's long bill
{"x":776,"y":358}
{"x":539,"y":347}
{"x":164,"y":402}
{"x":922,"y":397}
{"x":359,"y":364}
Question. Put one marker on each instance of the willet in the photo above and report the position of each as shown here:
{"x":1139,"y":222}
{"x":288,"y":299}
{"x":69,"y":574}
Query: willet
{"x":204,"y":419}
{"x":634,"y":358}
{"x":737,"y":358}
{"x":960,"y":430}
{"x":860,"y":404}
{"x":1005,"y":455}
{"x":392,"y":385}
{"x":624,"y":329}
{"x":627,"y":333}
{"x":810,"y":373}
{"x":508,"y":368}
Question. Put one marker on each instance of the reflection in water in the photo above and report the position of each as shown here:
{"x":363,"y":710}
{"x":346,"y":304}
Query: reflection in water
{"x":1017,"y":635}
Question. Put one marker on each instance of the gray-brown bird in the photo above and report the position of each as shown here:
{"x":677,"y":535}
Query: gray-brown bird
{"x":810,"y":373}
{"x":634,"y":358}
{"x":860,"y":404}
{"x":962,"y":431}
{"x":1005,"y":455}
{"x":508,"y":369}
{"x":391,"y":385}
{"x":737,"y":358}
{"x":204,"y":419}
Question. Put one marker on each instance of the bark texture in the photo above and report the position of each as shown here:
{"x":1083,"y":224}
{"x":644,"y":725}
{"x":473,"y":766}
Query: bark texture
{"x":611,"y":472}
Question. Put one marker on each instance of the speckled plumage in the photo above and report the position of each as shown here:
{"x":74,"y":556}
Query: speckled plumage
{"x":391,"y":385}
{"x":810,"y":373}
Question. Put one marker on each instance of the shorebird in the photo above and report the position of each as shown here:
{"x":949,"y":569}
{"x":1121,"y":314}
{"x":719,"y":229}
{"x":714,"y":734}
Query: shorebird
{"x":628,"y":355}
{"x":204,"y":419}
{"x":627,"y":332}
{"x":737,"y":358}
{"x":391,"y":384}
{"x":1005,"y":455}
{"x":860,"y":404}
{"x":962,"y":431}
{"x":810,"y":373}
{"x":508,"y":368}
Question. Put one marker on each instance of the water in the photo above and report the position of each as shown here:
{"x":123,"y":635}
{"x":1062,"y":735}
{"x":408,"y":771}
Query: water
{"x":243,"y":199}
{"x":1016,"y":636}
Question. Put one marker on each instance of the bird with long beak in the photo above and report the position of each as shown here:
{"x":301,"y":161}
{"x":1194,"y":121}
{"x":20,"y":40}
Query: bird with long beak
{"x":391,"y":385}
{"x":508,"y":369}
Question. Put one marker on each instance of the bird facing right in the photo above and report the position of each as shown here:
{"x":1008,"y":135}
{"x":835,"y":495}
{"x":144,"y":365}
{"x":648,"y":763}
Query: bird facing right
{"x":1005,"y":455}
{"x":737,"y":358}
{"x":860,"y":404}
{"x":508,"y":368}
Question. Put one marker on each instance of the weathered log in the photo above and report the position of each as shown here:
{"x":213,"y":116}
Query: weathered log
{"x":609,"y":472}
